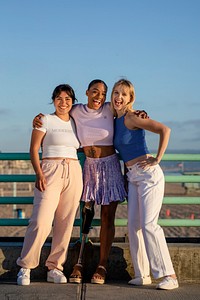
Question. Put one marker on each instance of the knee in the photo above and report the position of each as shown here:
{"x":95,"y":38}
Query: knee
{"x":150,"y":228}
{"x":107,"y":220}
{"x":40,"y":224}
{"x":134,"y":223}
{"x":108,"y":215}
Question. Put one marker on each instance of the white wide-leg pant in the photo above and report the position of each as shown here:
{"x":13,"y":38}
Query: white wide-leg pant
{"x":148,"y":246}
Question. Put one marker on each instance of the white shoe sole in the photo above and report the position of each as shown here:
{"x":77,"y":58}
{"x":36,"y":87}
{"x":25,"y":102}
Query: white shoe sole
{"x":52,"y":280}
{"x":23,"y":283}
{"x":139,"y":283}
{"x":167,"y":288}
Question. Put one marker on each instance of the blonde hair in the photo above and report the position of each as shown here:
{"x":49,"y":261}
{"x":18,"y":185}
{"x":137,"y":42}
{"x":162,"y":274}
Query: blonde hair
{"x":128,"y":84}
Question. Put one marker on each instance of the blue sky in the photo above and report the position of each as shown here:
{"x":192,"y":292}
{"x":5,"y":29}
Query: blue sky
{"x":153,"y":43}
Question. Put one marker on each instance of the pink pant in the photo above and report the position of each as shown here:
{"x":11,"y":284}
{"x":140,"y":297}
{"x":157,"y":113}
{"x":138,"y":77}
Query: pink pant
{"x":58,"y":205}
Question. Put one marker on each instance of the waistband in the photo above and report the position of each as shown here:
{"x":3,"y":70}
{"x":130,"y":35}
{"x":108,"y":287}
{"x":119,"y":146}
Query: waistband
{"x":66,"y":159}
{"x":101,"y":159}
{"x":132,"y":167}
{"x":135,"y":166}
{"x":64,"y":162}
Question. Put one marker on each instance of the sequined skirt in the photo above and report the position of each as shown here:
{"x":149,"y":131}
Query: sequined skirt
{"x":103,"y":180}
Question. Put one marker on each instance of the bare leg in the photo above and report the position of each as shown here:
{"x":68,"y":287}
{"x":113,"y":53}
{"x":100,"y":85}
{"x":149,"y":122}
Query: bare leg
{"x":107,"y":231}
{"x":107,"y":234}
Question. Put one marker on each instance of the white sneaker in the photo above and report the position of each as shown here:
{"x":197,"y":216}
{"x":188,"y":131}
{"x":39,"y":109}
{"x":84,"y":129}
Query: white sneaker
{"x":168,"y":283}
{"x":140,"y":280}
{"x":56,"y":276}
{"x":23,"y":277}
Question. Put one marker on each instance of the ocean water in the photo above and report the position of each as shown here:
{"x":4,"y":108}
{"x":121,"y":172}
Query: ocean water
{"x":174,"y":167}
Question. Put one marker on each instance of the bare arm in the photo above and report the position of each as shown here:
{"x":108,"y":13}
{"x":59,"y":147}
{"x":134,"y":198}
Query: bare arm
{"x":36,"y":140}
{"x":133,"y":122}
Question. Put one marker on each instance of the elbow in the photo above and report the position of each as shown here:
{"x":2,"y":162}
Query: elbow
{"x":169,"y":130}
{"x":165,"y":131}
{"x":31,"y":154}
{"x":33,"y":151}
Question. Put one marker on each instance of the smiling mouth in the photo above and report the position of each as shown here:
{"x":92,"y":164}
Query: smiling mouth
{"x":97,"y":101}
{"x":118,"y":103}
{"x":63,"y":107}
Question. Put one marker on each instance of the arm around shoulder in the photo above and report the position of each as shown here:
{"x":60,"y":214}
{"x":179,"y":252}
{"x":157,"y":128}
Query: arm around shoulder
{"x":37,"y":122}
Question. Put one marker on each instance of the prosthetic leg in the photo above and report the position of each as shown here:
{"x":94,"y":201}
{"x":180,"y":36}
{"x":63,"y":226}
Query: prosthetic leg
{"x":87,"y":217}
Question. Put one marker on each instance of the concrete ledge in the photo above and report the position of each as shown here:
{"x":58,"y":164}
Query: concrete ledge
{"x":185,"y":257}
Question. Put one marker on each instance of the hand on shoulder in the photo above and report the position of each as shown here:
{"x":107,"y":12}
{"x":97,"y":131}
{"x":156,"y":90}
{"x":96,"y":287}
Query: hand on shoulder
{"x":37,"y":120}
{"x":135,"y":119}
{"x":142,"y":114}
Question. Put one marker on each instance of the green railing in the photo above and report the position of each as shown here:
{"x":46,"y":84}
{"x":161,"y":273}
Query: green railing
{"x":96,"y":222}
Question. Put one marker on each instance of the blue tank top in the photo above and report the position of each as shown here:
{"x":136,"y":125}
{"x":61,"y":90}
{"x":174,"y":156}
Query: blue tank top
{"x":129,"y":143}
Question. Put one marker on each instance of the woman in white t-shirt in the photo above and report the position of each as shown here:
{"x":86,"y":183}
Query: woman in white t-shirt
{"x":58,"y":189}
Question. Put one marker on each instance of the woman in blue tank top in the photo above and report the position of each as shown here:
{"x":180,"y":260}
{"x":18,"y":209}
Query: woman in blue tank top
{"x":148,"y":246}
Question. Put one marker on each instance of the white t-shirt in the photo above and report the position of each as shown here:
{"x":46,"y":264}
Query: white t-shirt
{"x":94,"y":127}
{"x":60,"y":139}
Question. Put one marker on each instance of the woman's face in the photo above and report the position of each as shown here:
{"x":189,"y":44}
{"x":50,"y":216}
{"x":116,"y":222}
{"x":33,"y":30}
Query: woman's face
{"x":96,"y":96}
{"x":63,"y":103}
{"x":120,"y":97}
